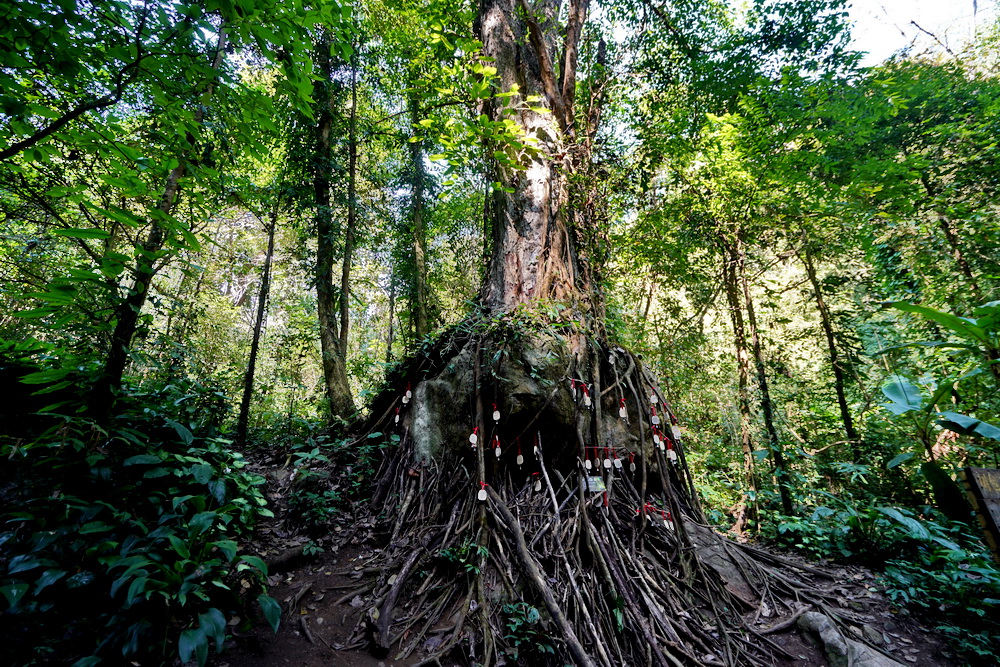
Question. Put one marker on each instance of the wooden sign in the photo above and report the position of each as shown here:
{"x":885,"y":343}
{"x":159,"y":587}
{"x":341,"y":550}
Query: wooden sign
{"x":983,"y":487}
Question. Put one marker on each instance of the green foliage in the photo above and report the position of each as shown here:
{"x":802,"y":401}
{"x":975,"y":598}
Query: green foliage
{"x":934,"y":567}
{"x":525,"y":632}
{"x":468,"y":556}
{"x":137,"y":523}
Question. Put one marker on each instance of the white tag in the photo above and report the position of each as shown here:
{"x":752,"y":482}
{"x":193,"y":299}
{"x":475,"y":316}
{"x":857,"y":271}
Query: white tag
{"x":497,"y":452}
{"x":520,"y":460}
{"x":618,"y":464}
{"x":607,"y":464}
{"x":676,"y":430}
{"x":482,"y":494}
{"x":496,"y":415}
{"x":656,"y":438}
{"x":652,"y":399}
{"x":536,"y":452}
{"x":663,"y":447}
{"x":538,"y":485}
{"x":473,"y":438}
{"x":631,"y":466}
{"x":655,"y":419}
{"x":623,"y":413}
{"x":406,"y":399}
{"x":586,"y":400}
{"x":397,"y":419}
{"x":672,"y":455}
{"x":668,"y":524}
{"x":588,"y":464}
{"x":409,"y":394}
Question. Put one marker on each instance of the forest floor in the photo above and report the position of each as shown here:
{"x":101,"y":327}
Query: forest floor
{"x":323,"y":597}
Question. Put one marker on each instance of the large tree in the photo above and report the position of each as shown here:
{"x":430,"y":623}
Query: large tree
{"x":538,"y":467}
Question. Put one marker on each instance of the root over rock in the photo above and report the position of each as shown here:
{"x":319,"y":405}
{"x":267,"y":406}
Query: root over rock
{"x":567,"y":532}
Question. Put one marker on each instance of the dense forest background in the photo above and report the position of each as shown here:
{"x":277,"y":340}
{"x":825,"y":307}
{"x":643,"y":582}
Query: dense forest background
{"x":224,"y":224}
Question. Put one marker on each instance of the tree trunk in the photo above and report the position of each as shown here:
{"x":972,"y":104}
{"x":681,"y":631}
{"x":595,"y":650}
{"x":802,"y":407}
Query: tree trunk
{"x":418,"y":302}
{"x":127,"y":313}
{"x":243,"y":420}
{"x":533,"y":257}
{"x":332,"y":338}
{"x":839,"y":374}
{"x":730,"y":277}
{"x":767,"y":407}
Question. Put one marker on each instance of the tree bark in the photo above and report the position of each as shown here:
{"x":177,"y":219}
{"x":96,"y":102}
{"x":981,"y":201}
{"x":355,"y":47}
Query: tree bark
{"x":839,"y":372}
{"x":731,"y":281}
{"x":418,"y":305}
{"x":127,"y":313}
{"x":242,"y":422}
{"x":332,"y":338}
{"x":767,"y":407}
{"x":533,"y":256}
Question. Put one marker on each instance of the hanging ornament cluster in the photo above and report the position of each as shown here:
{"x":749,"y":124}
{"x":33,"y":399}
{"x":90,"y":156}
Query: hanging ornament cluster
{"x":649,"y":511}
{"x":584,"y":393}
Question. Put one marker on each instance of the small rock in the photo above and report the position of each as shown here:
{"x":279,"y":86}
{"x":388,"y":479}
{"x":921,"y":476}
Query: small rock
{"x":872,"y":635}
{"x":910,"y":658}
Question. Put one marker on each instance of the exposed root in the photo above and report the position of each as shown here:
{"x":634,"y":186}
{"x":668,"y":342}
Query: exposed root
{"x":554,"y":560}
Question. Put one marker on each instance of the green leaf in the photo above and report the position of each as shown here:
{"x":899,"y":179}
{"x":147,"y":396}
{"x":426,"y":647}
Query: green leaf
{"x":903,"y":394}
{"x":80,"y":233}
{"x":213,"y":623}
{"x":899,"y":458}
{"x":183,"y":432}
{"x":255,"y":562}
{"x":967,"y":425}
{"x":44,"y":377}
{"x":193,"y":640}
{"x":179,"y":546}
{"x":15,"y":592}
{"x":271,"y":609}
{"x":958,"y":325}
{"x":916,"y":530}
{"x":142,"y":459}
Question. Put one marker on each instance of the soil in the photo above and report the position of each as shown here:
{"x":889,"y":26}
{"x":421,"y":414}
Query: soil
{"x":323,"y":597}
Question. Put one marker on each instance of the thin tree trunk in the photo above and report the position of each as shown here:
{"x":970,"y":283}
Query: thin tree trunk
{"x":953,"y":242}
{"x":419,"y":234}
{"x":129,"y":310}
{"x":731,"y":282}
{"x":839,"y":374}
{"x":391,"y":336}
{"x":332,"y":339}
{"x":767,"y":407}
{"x":243,"y":420}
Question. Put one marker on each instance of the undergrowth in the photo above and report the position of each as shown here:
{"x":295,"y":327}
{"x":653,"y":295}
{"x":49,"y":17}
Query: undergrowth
{"x":931,"y":566}
{"x":120,"y":543}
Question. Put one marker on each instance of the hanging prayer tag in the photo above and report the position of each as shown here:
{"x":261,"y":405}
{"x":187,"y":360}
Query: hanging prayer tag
{"x":520,"y":460}
{"x":482,"y":494}
{"x":588,"y":464}
{"x":397,"y":415}
{"x":497,"y":452}
{"x":622,"y":412}
{"x":474,"y":437}
{"x":652,"y":399}
{"x":409,"y":394}
{"x":607,"y":464}
{"x":676,"y":430}
{"x":406,"y":398}
{"x":496,"y":445}
{"x":631,"y":466}
{"x":662,"y":447}
{"x":656,"y":438}
{"x":586,"y":399}
{"x":672,"y":455}
{"x":538,"y":484}
{"x":655,"y":419}
{"x":618,"y":463}
{"x":496,"y":413}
